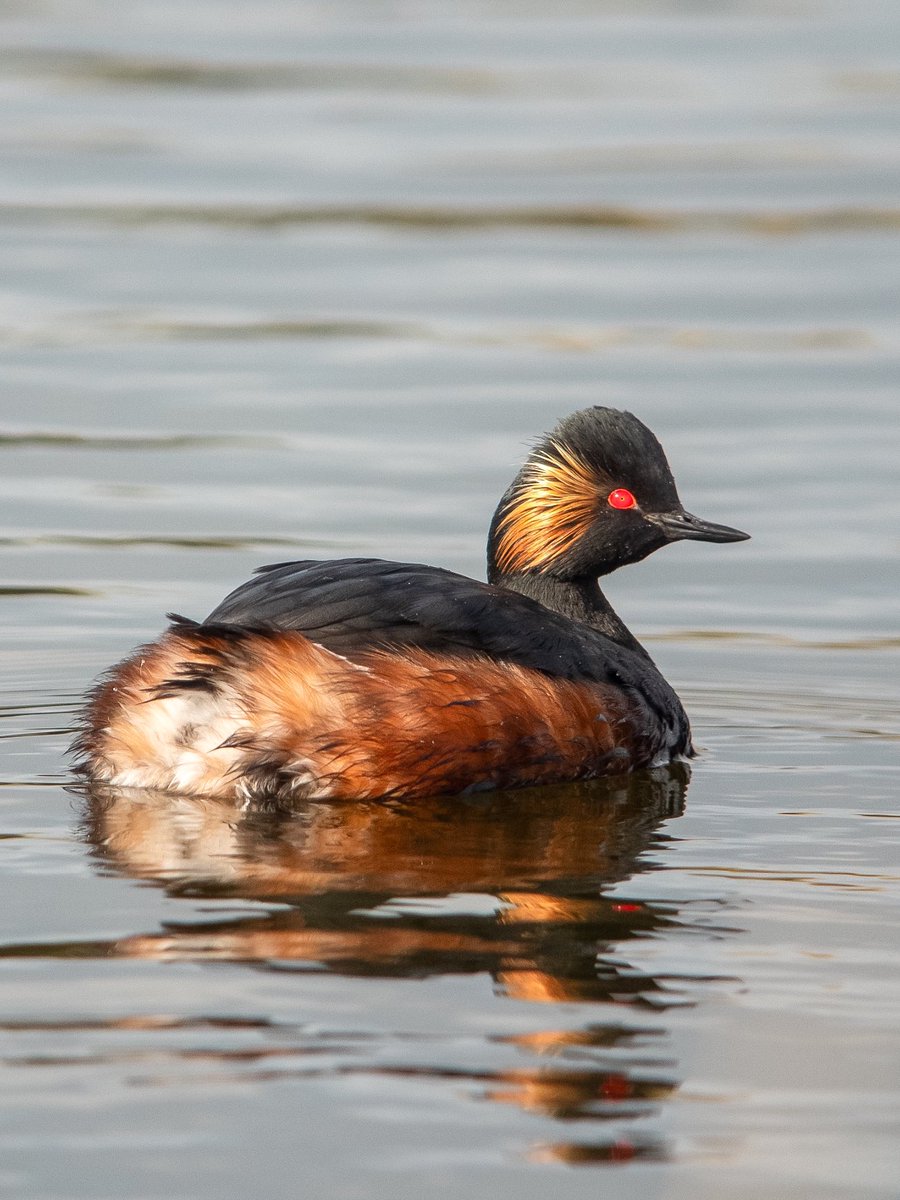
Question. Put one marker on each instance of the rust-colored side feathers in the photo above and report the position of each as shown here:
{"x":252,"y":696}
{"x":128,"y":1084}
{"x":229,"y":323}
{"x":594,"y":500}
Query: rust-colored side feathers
{"x":224,"y":711}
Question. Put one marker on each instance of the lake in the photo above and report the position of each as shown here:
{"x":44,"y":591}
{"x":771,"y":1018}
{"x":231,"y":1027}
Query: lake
{"x":306,"y":280}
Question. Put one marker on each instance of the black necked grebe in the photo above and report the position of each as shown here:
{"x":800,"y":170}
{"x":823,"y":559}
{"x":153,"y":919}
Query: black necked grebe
{"x":360,"y":678}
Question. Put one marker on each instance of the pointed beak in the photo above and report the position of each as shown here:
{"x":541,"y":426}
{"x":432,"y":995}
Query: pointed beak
{"x":680,"y":526}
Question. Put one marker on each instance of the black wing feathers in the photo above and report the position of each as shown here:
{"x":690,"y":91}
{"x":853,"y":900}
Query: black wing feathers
{"x":350,"y":605}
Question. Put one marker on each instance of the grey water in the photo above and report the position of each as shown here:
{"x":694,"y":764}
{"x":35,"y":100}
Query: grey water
{"x":303,"y":280}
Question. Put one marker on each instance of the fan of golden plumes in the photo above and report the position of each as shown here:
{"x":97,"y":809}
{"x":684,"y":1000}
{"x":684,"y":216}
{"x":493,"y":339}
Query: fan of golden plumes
{"x":553,"y":509}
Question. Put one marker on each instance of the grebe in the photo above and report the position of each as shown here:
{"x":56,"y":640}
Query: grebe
{"x":360,"y":678}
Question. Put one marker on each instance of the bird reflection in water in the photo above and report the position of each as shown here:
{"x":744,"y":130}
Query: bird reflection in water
{"x":547,"y":855}
{"x":515,"y":885}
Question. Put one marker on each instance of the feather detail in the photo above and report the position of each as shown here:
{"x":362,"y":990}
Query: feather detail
{"x":551,"y":511}
{"x":270,"y":714}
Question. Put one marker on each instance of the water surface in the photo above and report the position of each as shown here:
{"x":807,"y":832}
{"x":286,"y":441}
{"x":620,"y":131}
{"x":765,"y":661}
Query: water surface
{"x":305,"y":280}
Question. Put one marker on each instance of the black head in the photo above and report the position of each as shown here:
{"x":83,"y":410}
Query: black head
{"x":594,"y":495}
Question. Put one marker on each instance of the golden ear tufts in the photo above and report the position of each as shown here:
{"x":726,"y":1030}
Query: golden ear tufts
{"x":554,"y":507}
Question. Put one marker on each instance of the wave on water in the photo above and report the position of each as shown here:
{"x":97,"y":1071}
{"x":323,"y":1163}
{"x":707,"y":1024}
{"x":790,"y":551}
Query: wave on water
{"x":782,"y":222}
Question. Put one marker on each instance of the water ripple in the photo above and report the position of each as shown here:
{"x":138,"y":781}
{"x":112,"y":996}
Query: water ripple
{"x":776,"y":639}
{"x":144,"y":71}
{"x":840,"y":219}
{"x":123,"y":441}
{"x":248,"y":542}
{"x":44,"y":590}
{"x":78,"y":329}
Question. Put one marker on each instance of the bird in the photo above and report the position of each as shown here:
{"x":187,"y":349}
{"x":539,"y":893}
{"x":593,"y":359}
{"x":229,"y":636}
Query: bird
{"x":361,"y":678}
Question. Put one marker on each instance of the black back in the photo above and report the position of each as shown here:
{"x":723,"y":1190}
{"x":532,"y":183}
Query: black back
{"x":351,"y":605}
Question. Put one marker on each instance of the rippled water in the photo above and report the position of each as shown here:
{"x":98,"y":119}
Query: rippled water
{"x":305,"y":279}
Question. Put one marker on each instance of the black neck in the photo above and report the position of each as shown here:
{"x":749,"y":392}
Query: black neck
{"x":578,"y":599}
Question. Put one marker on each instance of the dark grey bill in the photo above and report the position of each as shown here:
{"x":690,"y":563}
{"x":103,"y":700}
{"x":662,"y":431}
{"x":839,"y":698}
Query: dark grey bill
{"x":682,"y":525}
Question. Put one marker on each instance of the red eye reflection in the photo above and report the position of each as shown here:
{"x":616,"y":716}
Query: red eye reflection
{"x":621,"y":498}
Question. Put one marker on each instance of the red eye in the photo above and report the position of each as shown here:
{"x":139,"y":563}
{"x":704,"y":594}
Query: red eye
{"x":621,"y":498}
